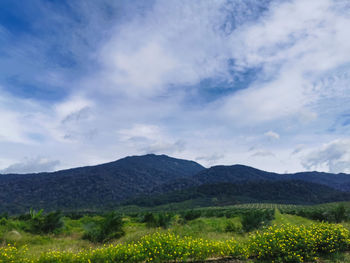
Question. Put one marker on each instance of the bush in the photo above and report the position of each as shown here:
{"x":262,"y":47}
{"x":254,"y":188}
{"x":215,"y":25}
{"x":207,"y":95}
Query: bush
{"x":160,"y":220}
{"x":44,"y":224}
{"x":74,"y":215}
{"x":340,"y":214}
{"x":254,"y":219}
{"x":331,"y":215}
{"x":4,"y":215}
{"x":157,"y":247}
{"x":233,"y":227}
{"x":191,"y":215}
{"x":110,"y":227}
{"x":149,"y":219}
{"x":287,"y":244}
{"x":163,"y":220}
{"x":298,"y":243}
{"x":3,"y":222}
{"x":10,"y":253}
{"x":23,"y":217}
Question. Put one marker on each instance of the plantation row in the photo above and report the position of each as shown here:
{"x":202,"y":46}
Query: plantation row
{"x":280,"y":244}
{"x":265,"y":206}
{"x":329,"y":213}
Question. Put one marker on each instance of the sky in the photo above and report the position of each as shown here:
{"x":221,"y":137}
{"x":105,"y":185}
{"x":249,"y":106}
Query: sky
{"x":264,"y":83}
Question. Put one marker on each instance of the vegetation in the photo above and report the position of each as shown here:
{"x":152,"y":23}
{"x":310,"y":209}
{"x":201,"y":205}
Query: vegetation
{"x":231,"y":193}
{"x":255,"y":219}
{"x":252,"y":232}
{"x":159,"y":180}
{"x":43,"y":224}
{"x":278,"y":244}
{"x":157,"y":220}
{"x":299,"y":243}
{"x":334,"y":214}
{"x":105,"y":229}
{"x":182,"y":212}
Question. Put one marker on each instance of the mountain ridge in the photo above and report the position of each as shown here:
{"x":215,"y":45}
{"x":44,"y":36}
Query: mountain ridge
{"x":106,"y":186}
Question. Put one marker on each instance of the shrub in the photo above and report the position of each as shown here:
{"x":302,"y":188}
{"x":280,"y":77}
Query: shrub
{"x":110,"y":227}
{"x":160,"y":220}
{"x":331,"y":215}
{"x":340,"y":214}
{"x":163,"y":220}
{"x":191,"y":215}
{"x":43,"y":224}
{"x":4,"y":215}
{"x":11,"y":254}
{"x":157,"y":247}
{"x":74,"y":215}
{"x":233,"y":227}
{"x":298,"y":243}
{"x":3,"y":221}
{"x":254,"y":219}
{"x":149,"y":219}
{"x":274,"y":244}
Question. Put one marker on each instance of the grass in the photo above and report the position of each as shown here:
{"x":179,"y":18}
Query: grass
{"x":284,"y":219}
{"x":207,"y":228}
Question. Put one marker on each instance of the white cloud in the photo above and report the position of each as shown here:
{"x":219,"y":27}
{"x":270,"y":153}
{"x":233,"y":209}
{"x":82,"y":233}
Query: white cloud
{"x":272,"y":135}
{"x":166,"y":47}
{"x":32,"y":165}
{"x":333,"y":156}
{"x":143,"y":96}
{"x":295,"y":44}
{"x":143,"y":131}
{"x":211,"y":159}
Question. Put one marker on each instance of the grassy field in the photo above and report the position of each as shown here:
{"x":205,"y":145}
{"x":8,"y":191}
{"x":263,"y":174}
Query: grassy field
{"x":236,"y":231}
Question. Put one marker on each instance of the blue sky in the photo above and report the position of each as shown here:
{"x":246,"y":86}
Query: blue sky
{"x":261,"y":83}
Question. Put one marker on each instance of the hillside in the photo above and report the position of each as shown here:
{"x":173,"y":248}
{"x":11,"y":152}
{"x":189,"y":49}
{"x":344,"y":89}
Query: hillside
{"x":286,"y":192}
{"x":241,"y":173}
{"x":94,"y":187}
{"x":162,"y":179}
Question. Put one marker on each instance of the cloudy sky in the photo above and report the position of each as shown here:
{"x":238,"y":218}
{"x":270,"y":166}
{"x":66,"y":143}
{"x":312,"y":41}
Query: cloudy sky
{"x":264,"y":83}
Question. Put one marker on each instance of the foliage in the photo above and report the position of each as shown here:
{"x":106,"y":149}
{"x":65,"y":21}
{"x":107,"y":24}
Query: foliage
{"x":3,"y":221}
{"x":298,"y":243}
{"x":40,"y":223}
{"x":285,"y":243}
{"x":92,"y":188}
{"x":340,"y":214}
{"x":232,"y":226}
{"x":110,"y":227}
{"x":254,"y":219}
{"x":191,"y":215}
{"x":11,"y":254}
{"x":232,"y":193}
{"x":157,"y":220}
{"x":4,"y":215}
{"x":153,"y":248}
{"x":333,"y":214}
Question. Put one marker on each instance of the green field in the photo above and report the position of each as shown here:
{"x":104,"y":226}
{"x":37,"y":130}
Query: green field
{"x":247,"y":232}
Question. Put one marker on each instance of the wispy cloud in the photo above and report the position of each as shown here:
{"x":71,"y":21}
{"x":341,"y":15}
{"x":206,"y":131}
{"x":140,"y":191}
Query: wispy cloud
{"x":33,"y":165}
{"x":333,"y":156}
{"x":88,"y":82}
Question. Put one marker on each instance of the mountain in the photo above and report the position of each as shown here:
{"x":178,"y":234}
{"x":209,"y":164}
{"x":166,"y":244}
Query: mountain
{"x":241,"y":173}
{"x":233,"y":174}
{"x":162,"y":180}
{"x":93,"y":187}
{"x":287,"y":192}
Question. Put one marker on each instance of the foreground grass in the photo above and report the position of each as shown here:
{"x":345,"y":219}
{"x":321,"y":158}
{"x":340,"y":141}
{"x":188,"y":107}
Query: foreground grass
{"x":290,"y":239}
{"x":284,"y":243}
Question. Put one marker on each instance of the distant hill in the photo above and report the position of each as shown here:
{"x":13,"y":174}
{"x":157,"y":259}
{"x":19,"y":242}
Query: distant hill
{"x":94,"y":187}
{"x":163,"y":179}
{"x":211,"y":194}
{"x":241,"y":173}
